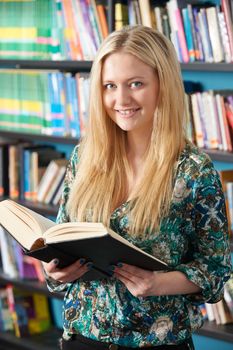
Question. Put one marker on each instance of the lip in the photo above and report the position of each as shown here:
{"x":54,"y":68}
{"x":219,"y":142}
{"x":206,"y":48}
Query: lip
{"x":127,"y":113}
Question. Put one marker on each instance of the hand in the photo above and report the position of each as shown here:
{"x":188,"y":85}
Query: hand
{"x":144,"y":283}
{"x":67,"y":274}
{"x":140,"y":283}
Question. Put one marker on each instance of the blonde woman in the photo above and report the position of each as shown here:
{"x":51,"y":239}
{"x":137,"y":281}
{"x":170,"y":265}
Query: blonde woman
{"x":136,"y":172}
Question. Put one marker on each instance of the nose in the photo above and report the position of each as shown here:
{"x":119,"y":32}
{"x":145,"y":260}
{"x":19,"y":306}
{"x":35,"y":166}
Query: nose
{"x":123,"y":96}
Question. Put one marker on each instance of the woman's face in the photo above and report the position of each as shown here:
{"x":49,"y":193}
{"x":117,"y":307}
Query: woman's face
{"x":130,"y":92}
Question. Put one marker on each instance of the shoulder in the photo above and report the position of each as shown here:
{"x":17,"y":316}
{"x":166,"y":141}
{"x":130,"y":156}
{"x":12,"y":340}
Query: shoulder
{"x":196,"y":168}
{"x":195,"y":161}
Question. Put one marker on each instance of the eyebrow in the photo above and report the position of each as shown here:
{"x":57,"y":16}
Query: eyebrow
{"x":132,"y":78}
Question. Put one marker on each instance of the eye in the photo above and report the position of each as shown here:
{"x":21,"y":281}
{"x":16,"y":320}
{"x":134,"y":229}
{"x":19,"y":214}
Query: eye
{"x":109,"y":86}
{"x":136,"y":84}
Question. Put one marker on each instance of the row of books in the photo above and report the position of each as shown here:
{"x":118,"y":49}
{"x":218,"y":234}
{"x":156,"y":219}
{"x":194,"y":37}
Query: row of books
{"x":210,"y":116}
{"x":200,"y":32}
{"x":23,"y":313}
{"x":61,"y":29}
{"x":222,"y":311}
{"x":14,"y":263}
{"x":32,"y":172}
{"x":53,"y":103}
{"x":44,"y":102}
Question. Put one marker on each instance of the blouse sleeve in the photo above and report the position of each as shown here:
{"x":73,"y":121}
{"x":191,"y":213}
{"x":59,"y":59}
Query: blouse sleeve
{"x":62,"y":215}
{"x":211,"y":263}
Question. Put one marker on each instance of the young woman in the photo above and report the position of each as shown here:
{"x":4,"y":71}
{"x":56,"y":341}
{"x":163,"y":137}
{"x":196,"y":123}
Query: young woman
{"x":136,"y":172}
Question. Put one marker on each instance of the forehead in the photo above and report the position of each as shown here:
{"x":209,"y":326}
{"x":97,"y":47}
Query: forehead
{"x":125,"y":65}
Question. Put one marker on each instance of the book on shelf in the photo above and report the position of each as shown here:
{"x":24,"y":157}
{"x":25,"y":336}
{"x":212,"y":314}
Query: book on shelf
{"x":29,"y":311}
{"x":45,"y":240}
{"x":6,"y":322}
{"x":48,"y":183}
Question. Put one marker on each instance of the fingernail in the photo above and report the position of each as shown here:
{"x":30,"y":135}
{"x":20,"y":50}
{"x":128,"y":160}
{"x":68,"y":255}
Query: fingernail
{"x":119,"y":264}
{"x":82,"y":261}
{"x":89,"y":265}
{"x":111,"y":268}
{"x":55,"y":262}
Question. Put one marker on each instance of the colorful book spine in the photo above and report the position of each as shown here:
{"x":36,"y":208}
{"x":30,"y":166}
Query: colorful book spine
{"x":188,"y":34}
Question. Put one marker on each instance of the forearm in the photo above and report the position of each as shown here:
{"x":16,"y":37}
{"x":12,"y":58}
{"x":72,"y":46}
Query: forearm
{"x":174,"y":282}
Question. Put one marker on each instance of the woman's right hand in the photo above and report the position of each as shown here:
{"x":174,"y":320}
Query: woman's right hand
{"x":66,"y":274}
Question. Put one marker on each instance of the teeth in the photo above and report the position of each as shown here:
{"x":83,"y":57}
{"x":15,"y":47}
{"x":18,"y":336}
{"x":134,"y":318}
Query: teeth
{"x":126,"y":111}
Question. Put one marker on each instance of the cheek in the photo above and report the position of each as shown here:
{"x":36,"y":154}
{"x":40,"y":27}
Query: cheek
{"x":107,"y":101}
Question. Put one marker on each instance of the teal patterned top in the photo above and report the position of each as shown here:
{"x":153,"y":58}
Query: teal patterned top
{"x":193,"y":239}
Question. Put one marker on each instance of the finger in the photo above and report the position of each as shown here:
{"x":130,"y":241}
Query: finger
{"x":73,"y":267}
{"x":134,"y":270}
{"x":127,"y":273}
{"x":51,"y":266}
{"x":127,"y":278}
{"x":64,"y":278}
{"x":128,"y":283}
{"x":72,"y":273}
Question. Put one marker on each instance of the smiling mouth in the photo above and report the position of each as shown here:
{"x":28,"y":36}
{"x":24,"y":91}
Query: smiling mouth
{"x":127,"y":112}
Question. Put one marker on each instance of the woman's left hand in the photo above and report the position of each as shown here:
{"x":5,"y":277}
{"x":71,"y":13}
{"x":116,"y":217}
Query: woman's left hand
{"x":140,"y":283}
{"x":144,"y":283}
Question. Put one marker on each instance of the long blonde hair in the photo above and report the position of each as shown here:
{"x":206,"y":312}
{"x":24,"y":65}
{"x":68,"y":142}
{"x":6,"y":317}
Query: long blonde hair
{"x":100,"y":183}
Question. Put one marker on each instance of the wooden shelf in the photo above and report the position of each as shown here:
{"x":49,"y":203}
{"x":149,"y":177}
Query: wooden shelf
{"x":220,"y":332}
{"x":207,"y":67}
{"x":85,"y":66}
{"x":34,"y":286}
{"x":67,"y":66}
{"x":47,"y":341}
{"x":220,"y":155}
{"x":37,"y":137}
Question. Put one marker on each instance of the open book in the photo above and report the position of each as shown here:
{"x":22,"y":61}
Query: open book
{"x":45,"y":240}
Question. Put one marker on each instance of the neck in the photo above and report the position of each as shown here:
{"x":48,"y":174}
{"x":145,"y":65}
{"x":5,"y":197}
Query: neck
{"x":137,"y":145}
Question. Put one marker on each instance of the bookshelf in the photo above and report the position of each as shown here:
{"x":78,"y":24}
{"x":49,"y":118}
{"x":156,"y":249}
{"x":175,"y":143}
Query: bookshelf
{"x":48,"y":341}
{"x":37,"y":137}
{"x":63,"y":66}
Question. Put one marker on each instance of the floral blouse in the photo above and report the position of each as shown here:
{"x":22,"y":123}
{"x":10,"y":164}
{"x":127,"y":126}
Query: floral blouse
{"x":192,"y":239}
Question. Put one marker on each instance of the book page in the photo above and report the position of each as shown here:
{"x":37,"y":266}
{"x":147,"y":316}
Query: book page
{"x":74,"y":230}
{"x":22,"y":223}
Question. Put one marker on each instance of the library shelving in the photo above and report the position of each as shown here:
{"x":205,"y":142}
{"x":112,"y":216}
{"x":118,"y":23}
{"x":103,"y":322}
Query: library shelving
{"x":48,"y":340}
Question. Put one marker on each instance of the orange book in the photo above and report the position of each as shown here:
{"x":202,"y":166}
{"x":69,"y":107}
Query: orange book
{"x":102,"y":20}
{"x":71,"y":34}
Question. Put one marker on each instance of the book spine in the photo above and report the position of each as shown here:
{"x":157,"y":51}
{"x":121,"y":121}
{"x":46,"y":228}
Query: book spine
{"x":188,"y":34}
{"x":204,"y":30}
{"x":144,"y":6}
{"x":181,"y":36}
{"x":227,"y":13}
{"x":224,"y":36}
{"x":214,"y":32}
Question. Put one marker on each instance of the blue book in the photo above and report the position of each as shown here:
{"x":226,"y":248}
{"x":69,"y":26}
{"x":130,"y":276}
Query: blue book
{"x":188,"y":34}
{"x":75,"y":126}
{"x":57,"y":103}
